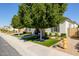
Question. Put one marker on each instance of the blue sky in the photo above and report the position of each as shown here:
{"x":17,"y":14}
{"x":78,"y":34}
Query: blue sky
{"x":6,"y":13}
{"x":8,"y":10}
{"x":72,"y":12}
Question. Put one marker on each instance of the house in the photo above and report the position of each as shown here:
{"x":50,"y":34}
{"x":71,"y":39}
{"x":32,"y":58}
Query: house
{"x":19,"y":30}
{"x":62,"y":28}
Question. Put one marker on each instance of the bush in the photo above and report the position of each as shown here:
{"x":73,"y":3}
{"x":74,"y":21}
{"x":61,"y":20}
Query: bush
{"x":63,"y":35}
{"x":57,"y":34}
{"x":46,"y":34}
{"x":50,"y":34}
{"x":27,"y":32}
{"x":78,"y":26}
{"x":24,"y":32}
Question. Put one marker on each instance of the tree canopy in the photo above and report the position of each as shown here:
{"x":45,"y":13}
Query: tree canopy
{"x":39,"y":15}
{"x":42,"y":15}
{"x":24,"y":14}
{"x":16,"y":23}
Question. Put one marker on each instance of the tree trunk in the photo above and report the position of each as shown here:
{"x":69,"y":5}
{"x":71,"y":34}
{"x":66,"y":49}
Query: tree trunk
{"x":42,"y":34}
{"x":18,"y":31}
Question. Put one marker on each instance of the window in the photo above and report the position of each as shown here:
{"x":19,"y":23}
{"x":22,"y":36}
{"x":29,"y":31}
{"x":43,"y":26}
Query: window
{"x":52,"y":29}
{"x":55,"y":29}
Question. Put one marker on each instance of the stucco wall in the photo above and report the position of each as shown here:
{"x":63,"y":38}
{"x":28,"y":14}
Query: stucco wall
{"x":71,"y":25}
{"x":65,"y":26}
{"x":75,"y":25}
{"x":48,"y":30}
{"x":62,"y":27}
{"x":30,"y":30}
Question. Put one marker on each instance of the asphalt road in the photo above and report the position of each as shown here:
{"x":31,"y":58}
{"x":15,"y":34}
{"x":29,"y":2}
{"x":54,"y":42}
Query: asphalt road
{"x":6,"y":49}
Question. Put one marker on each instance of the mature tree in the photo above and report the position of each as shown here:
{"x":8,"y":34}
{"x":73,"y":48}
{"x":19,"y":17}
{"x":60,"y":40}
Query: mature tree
{"x":16,"y":23}
{"x":47,"y":16}
{"x":41,"y":16}
{"x":24,"y":14}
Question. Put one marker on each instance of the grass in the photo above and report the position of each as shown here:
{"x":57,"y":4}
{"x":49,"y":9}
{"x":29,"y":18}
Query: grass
{"x":35,"y":39}
{"x":48,"y":42}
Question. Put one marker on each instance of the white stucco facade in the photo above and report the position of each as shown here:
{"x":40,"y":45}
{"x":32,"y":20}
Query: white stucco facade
{"x":33,"y":29}
{"x":65,"y":26}
{"x":30,"y":30}
{"x":62,"y":27}
{"x":48,"y":30}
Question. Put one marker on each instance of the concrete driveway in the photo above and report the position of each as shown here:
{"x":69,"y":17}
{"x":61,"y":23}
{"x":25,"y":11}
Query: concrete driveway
{"x":71,"y":45}
{"x":30,"y":48}
{"x":73,"y":42}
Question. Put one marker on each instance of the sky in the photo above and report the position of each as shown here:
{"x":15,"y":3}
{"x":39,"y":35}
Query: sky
{"x":6,"y":13}
{"x":8,"y":10}
{"x":72,"y":12}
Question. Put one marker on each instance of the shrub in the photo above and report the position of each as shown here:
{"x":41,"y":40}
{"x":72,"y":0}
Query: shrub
{"x":28,"y":32}
{"x":78,"y":26}
{"x":50,"y":34}
{"x":24,"y":32}
{"x":63,"y":35}
{"x":46,"y":34}
{"x":57,"y":34}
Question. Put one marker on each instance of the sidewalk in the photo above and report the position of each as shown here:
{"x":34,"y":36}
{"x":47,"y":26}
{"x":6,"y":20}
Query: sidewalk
{"x":6,"y":49}
{"x":31,"y":49}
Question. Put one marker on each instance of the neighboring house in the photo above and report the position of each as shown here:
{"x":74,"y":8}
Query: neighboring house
{"x":10,"y":28}
{"x":19,"y":30}
{"x":62,"y":28}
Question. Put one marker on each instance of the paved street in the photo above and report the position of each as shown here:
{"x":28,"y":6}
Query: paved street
{"x":6,"y":49}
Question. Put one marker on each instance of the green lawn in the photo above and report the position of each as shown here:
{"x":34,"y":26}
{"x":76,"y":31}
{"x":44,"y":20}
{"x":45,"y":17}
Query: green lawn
{"x":35,"y":39}
{"x":48,"y":42}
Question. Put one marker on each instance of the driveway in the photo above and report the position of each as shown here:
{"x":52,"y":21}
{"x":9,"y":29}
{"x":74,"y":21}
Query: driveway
{"x":73,"y":43}
{"x":30,"y":48}
{"x":6,"y":49}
